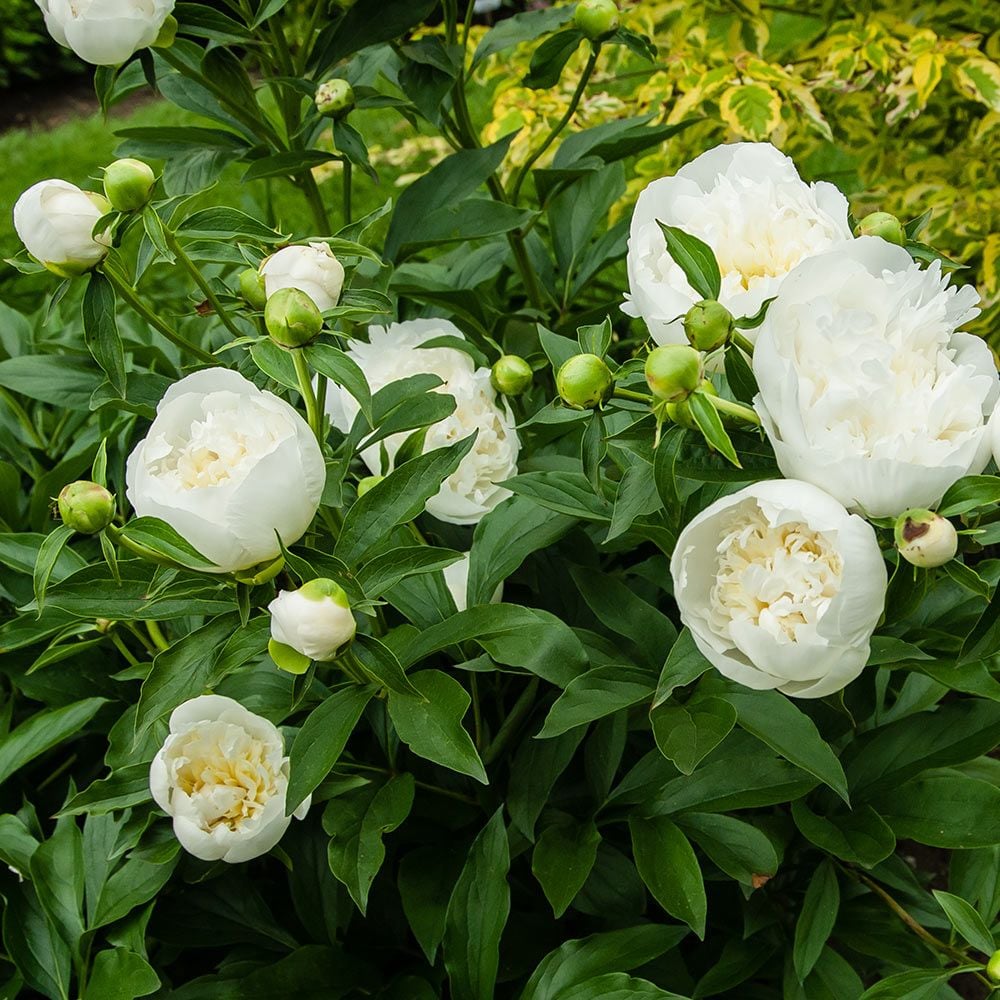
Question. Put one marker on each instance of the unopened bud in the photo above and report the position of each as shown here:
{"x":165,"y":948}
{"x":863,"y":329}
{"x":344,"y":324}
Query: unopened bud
{"x":597,"y":19}
{"x":252,"y":288}
{"x":367,"y":483}
{"x":511,"y":375}
{"x":584,"y":382}
{"x":314,"y":622}
{"x":291,"y":318}
{"x":86,"y":507}
{"x":674,"y":371}
{"x":993,"y":968}
{"x":335,"y":98}
{"x":925,"y":539}
{"x":708,"y":325}
{"x":680,"y":413}
{"x":883,"y":225}
{"x":129,"y":184}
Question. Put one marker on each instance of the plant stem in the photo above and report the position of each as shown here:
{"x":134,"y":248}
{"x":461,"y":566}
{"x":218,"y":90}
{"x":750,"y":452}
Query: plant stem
{"x":123,"y":649}
{"x":22,"y":417}
{"x":315,"y":199}
{"x":458,"y":796}
{"x":588,"y":70}
{"x":126,"y":291}
{"x":201,"y":281}
{"x":638,"y":397}
{"x":156,"y":634}
{"x":348,"y":175}
{"x":742,"y":342}
{"x":477,"y":714}
{"x":736,"y":410}
{"x":520,"y":711}
{"x":313,"y":414}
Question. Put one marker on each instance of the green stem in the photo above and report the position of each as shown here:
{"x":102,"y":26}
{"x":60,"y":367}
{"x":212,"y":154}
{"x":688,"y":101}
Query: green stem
{"x":127,"y":292}
{"x":477,"y":713}
{"x":520,"y":711}
{"x":736,"y":410}
{"x":123,"y":649}
{"x":313,"y":414}
{"x":22,"y":417}
{"x":638,"y":397}
{"x":315,"y":199}
{"x":574,"y":103}
{"x":742,"y":342}
{"x":156,"y":634}
{"x":348,"y":175}
{"x":458,"y":796}
{"x":201,"y":281}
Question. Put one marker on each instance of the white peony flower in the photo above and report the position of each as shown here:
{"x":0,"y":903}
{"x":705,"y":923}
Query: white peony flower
{"x":748,"y":203}
{"x":456,"y":579}
{"x":866,"y":389}
{"x":105,"y":32}
{"x":312,"y":269}
{"x":227,"y":465}
{"x":222,"y":774}
{"x":781,"y":588}
{"x":55,"y":221}
{"x":393,"y":353}
{"x":314,"y":620}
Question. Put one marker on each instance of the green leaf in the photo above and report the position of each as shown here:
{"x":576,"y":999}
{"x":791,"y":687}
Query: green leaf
{"x":562,"y":860}
{"x":100,"y":330}
{"x":126,"y":787}
{"x":577,"y":961}
{"x":34,"y":945}
{"x":816,"y":919}
{"x":738,"y":848}
{"x":524,"y":27}
{"x":860,"y":836}
{"x":775,"y":720}
{"x":398,"y":498}
{"x":684,"y":665}
{"x":706,"y":416}
{"x":688,"y":733}
{"x":229,"y":224}
{"x":136,"y":882}
{"x":667,"y":864}
{"x":696,"y":259}
{"x":380,"y":664}
{"x":599,"y":692}
{"x":43,"y":731}
{"x":120,"y":974}
{"x":162,"y":540}
{"x":426,"y":878}
{"x":321,"y":740}
{"x":343,"y":371}
{"x":356,"y":825}
{"x":550,"y":58}
{"x":431,"y":724}
{"x":565,"y":492}
{"x":969,"y":493}
{"x":477,"y":914}
{"x":57,"y":874}
{"x":49,"y":553}
{"x":535,"y":769}
{"x":966,"y":921}
{"x":918,"y":984}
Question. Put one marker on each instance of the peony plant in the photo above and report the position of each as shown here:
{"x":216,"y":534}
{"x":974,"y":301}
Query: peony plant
{"x":485,"y":596}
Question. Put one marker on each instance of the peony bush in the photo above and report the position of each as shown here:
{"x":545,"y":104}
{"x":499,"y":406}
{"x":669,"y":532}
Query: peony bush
{"x":486,"y":596}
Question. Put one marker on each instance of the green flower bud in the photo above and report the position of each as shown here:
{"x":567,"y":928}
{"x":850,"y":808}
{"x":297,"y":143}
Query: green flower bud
{"x":367,"y":483}
{"x":925,"y":539}
{"x":674,"y":371}
{"x":584,"y":382}
{"x":86,"y":507}
{"x":252,"y":288}
{"x":993,"y":968}
{"x":708,"y":325}
{"x":321,"y":588}
{"x":168,"y":32}
{"x":680,"y":413}
{"x":291,"y":318}
{"x":597,"y":19}
{"x":884,"y":225}
{"x":129,"y":184}
{"x":335,"y":98}
{"x":511,"y":375}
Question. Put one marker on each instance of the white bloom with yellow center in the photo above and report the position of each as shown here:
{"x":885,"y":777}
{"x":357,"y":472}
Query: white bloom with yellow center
{"x":222,"y":774}
{"x":227,"y":466}
{"x":781,"y":588}
{"x":866,"y":388}
{"x":395,"y":352}
{"x":748,"y":203}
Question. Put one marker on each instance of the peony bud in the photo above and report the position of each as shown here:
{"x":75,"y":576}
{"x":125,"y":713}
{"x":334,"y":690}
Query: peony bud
{"x":56,"y":220}
{"x":511,"y":375}
{"x":314,"y":621}
{"x":335,"y":98}
{"x":312,"y":269}
{"x":708,"y":325}
{"x":584,"y":382}
{"x":292,"y":319}
{"x":367,"y":483}
{"x":129,"y":184}
{"x":86,"y":507}
{"x":883,"y":225}
{"x":925,"y":539}
{"x":674,"y":371}
{"x":252,"y":288}
{"x":680,"y":413}
{"x":597,"y":19}
{"x":993,"y":968}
